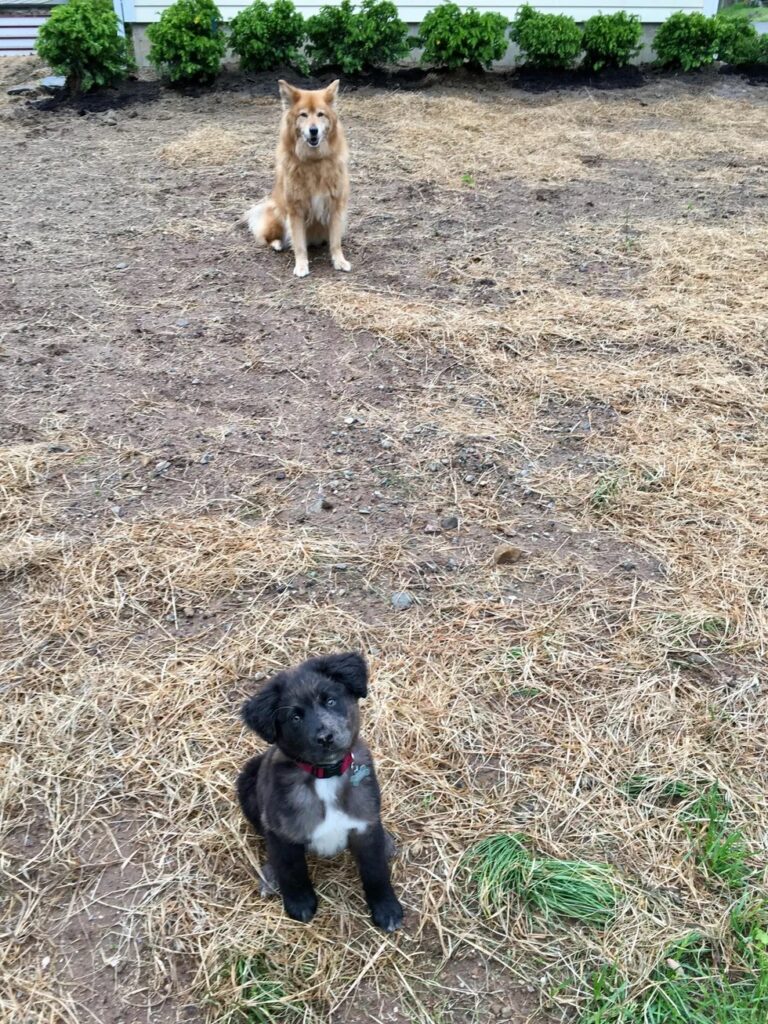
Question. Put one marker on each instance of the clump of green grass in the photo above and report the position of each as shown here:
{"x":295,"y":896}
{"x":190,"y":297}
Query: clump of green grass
{"x":720,"y":852}
{"x":579,"y":889}
{"x":605,"y":492}
{"x":684,"y":987}
{"x":662,"y":791}
{"x":262,"y":996}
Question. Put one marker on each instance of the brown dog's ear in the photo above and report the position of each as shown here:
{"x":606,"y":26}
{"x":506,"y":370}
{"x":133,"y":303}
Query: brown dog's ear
{"x":287,"y":93}
{"x":348,"y":669}
{"x":331,"y":91}
{"x":260,"y":711}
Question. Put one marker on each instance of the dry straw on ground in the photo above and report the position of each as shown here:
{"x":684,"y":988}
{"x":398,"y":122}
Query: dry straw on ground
{"x":505,"y":700}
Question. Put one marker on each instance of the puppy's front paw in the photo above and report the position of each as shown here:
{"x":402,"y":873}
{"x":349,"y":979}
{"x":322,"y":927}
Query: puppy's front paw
{"x":301,"y":270}
{"x":339,"y":263}
{"x":302,"y":907}
{"x":387,"y":913}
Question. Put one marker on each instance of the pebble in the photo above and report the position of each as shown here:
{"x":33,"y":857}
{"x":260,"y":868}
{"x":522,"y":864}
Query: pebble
{"x":450,"y":523}
{"x":321,"y":504}
{"x":435,"y":467}
{"x":469,"y":478}
{"x":205,"y":458}
{"x":121,"y":266}
{"x":53,"y":82}
{"x":386,"y":443}
{"x":431,"y":528}
{"x":401,"y":601}
{"x":280,"y":474}
{"x":21,"y":90}
{"x":182,"y":322}
{"x":507,"y":554}
{"x":160,"y":467}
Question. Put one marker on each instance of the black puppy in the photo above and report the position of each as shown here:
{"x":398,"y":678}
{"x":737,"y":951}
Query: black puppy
{"x":315,"y":789}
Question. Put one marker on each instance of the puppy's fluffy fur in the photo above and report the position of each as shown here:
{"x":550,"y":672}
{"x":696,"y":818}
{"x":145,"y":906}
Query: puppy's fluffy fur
{"x":303,"y":794}
{"x":308,"y":204}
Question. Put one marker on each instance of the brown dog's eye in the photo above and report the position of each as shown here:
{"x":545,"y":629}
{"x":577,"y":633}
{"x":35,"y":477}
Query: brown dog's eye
{"x":303,"y":114}
{"x":320,"y":113}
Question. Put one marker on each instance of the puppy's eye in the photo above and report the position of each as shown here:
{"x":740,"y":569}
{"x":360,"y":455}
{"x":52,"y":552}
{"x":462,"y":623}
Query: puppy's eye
{"x":296,"y":717}
{"x":330,"y":702}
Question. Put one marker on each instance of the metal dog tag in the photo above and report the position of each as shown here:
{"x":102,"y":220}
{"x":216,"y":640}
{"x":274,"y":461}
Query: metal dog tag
{"x":359,"y":772}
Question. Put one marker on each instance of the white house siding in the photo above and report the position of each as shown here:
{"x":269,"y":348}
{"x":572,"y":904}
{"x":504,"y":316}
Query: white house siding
{"x":143,"y":13}
{"x":18,"y":33}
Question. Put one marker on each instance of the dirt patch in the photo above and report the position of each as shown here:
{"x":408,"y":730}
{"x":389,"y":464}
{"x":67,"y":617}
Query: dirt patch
{"x":209,"y":469}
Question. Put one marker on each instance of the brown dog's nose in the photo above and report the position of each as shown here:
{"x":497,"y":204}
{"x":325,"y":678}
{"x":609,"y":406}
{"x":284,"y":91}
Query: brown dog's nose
{"x":313,"y":130}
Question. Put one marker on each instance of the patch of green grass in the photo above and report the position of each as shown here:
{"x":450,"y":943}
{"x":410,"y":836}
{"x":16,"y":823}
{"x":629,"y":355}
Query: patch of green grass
{"x":662,"y":791}
{"x":719,"y":851}
{"x":468,"y":179}
{"x":684,"y":987}
{"x":262,"y":996}
{"x":578,"y":889}
{"x":605,"y":492}
{"x":746,"y":11}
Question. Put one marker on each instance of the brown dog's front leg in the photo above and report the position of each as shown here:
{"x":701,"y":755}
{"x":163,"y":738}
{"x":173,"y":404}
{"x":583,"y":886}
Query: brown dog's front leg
{"x":335,"y":231}
{"x":299,"y":242}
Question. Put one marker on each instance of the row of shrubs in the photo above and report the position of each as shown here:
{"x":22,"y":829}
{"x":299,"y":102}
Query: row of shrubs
{"x":188,"y":43}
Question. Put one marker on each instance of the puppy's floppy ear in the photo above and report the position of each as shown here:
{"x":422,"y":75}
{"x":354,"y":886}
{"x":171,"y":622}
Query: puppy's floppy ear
{"x":331,"y":91}
{"x":348,"y":669}
{"x":287,"y":93}
{"x":260,"y":711}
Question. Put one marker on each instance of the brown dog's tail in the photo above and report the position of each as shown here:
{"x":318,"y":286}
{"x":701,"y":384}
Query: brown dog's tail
{"x":266,"y":224}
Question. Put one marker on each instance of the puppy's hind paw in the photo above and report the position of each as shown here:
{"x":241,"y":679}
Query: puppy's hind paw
{"x":268,"y":884}
{"x":277,"y":245}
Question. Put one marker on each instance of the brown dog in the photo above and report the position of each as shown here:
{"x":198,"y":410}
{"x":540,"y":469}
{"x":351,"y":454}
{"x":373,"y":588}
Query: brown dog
{"x":308,"y":204}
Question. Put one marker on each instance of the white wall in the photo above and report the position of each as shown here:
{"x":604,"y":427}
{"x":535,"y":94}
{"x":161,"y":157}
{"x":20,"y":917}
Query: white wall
{"x":144,"y":11}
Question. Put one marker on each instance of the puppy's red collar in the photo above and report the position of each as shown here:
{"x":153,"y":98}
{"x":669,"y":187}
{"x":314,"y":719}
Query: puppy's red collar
{"x":327,"y":771}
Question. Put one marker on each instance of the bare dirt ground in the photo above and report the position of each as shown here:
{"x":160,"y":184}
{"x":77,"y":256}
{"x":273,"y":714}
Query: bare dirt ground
{"x":554,"y":337}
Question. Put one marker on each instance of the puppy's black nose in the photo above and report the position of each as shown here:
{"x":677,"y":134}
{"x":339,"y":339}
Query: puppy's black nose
{"x":325,"y":739}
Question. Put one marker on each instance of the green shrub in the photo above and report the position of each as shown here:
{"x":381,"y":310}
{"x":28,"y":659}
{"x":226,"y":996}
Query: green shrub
{"x":188,"y":41}
{"x":547,"y":41}
{"x":265,"y":37}
{"x":81,"y":41}
{"x":611,"y":40}
{"x":737,"y":41}
{"x":452,"y":38}
{"x":686,"y":41}
{"x":357,"y":40}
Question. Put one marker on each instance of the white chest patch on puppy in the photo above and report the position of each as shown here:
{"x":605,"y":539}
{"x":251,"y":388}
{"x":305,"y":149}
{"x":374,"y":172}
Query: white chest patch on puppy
{"x":321,"y":212}
{"x":332,"y":834}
